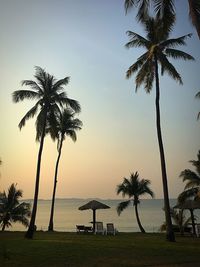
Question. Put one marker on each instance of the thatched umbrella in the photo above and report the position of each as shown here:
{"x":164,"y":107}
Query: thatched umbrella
{"x":190,"y":205}
{"x":94,"y":205}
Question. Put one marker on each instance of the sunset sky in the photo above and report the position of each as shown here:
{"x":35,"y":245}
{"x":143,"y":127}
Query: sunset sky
{"x":85,"y":40}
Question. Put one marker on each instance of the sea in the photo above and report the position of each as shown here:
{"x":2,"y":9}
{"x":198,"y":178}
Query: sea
{"x":67,"y":215}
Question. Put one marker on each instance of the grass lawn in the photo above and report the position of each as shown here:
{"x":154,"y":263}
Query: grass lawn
{"x":71,"y":249}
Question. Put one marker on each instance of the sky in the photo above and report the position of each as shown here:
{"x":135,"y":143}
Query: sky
{"x":85,"y":40}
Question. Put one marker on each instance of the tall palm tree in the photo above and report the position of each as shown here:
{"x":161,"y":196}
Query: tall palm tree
{"x":192,"y":179}
{"x":158,"y":48}
{"x":66,"y":125}
{"x":133,"y":188}
{"x":165,"y":10}
{"x":50,"y":96}
{"x":11,"y":210}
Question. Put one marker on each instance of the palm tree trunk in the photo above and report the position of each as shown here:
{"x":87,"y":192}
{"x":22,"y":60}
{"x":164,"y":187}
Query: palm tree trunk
{"x":138,"y":219}
{"x":193,"y":222}
{"x":3,"y":227}
{"x":50,"y":228}
{"x":31,"y":228}
{"x":170,"y":234}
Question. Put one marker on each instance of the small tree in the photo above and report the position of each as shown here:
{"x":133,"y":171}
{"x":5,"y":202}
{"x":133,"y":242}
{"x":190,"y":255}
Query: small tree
{"x":11,"y":210}
{"x":133,"y":188}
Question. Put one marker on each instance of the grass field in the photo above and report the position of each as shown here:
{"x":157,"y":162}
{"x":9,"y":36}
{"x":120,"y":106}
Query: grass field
{"x":71,"y":249}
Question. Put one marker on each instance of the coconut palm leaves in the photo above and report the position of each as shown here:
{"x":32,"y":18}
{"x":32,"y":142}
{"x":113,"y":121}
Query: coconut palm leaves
{"x":157,"y":45}
{"x":165,"y":10}
{"x":65,"y":125}
{"x":50,"y":98}
{"x":158,"y":48}
{"x":133,"y":188}
{"x":192,"y":179}
{"x":11,"y":210}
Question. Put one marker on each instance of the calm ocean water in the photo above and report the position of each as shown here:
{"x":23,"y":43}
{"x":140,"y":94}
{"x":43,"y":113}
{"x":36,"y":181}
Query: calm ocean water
{"x":67,"y":215}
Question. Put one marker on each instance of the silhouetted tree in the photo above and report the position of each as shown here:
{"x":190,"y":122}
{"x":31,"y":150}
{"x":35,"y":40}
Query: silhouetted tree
{"x":192,"y":179}
{"x":11,"y":210}
{"x":165,"y":10}
{"x":158,"y":49}
{"x":50,"y":96}
{"x":133,"y":188}
{"x":179,"y":219}
{"x":66,"y":125}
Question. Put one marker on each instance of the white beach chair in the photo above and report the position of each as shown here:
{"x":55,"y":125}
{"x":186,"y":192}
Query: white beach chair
{"x":99,"y":228}
{"x":110,"y":229}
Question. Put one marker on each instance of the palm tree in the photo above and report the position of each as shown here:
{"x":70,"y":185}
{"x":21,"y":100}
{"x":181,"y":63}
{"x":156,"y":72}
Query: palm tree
{"x":133,"y":188}
{"x":179,"y":219}
{"x":50,"y":96}
{"x":192,"y":179}
{"x":158,"y":49}
{"x":11,"y":210}
{"x":165,"y":10}
{"x":66,"y":125}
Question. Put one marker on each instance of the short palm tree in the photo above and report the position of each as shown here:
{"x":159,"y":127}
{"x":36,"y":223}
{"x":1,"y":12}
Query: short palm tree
{"x":11,"y":210}
{"x":133,"y":188}
{"x":158,"y":48}
{"x":179,"y":219}
{"x":66,"y":125}
{"x":50,"y":98}
{"x":192,"y":179}
{"x":165,"y":10}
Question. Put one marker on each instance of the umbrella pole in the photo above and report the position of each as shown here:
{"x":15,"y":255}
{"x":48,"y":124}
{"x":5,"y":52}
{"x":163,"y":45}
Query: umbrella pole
{"x":94,"y":220}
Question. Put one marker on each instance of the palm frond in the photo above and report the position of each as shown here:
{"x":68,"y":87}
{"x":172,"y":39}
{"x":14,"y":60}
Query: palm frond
{"x":74,"y":104}
{"x":60,"y":83}
{"x":165,"y":12}
{"x":197,"y":95}
{"x":194,"y":13}
{"x":143,"y":10}
{"x":143,"y":75}
{"x":134,"y":68}
{"x":33,"y":85}
{"x":169,"y":68}
{"x":187,"y":194}
{"x":177,"y":54}
{"x":191,"y":177}
{"x":170,"y":43}
{"x":30,"y":114}
{"x":20,"y":95}
{"x":136,"y":40}
{"x":122,"y":205}
{"x":128,"y":4}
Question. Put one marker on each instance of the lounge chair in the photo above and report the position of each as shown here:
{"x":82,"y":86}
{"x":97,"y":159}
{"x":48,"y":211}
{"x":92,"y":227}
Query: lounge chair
{"x":80,"y":228}
{"x":110,"y":229}
{"x":99,"y":228}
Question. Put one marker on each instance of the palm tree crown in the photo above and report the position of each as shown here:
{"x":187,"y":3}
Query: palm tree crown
{"x":165,"y":10}
{"x":192,"y":179}
{"x":50,"y":96}
{"x":158,"y":47}
{"x":11,"y":210}
{"x":133,"y":188}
